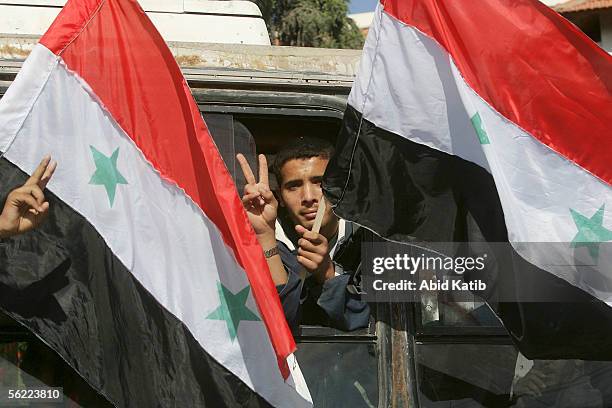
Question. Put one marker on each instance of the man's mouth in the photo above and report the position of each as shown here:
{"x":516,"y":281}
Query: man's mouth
{"x":310,"y":215}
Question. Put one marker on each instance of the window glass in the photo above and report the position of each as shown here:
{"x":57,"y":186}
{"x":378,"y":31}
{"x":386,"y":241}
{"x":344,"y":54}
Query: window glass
{"x":231,"y":138}
{"x":340,"y":374}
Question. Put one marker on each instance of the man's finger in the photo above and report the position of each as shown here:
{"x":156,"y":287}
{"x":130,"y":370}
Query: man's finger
{"x":265,"y":192}
{"x":313,"y":237}
{"x":37,"y":193}
{"x":40,"y":170}
{"x":23,"y":198}
{"x":309,"y":246}
{"x":306,"y":263}
{"x":251,"y":189}
{"x":31,"y":190}
{"x":246,"y":169}
{"x":41,"y":212}
{"x":248,"y":198}
{"x":48,"y":173}
{"x":300,"y":230}
{"x":314,"y":257}
{"x":44,"y":208}
{"x":309,"y":235}
{"x":263,"y":170}
{"x":253,"y":200}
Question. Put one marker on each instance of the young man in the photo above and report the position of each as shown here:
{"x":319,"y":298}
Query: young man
{"x":329,"y":295}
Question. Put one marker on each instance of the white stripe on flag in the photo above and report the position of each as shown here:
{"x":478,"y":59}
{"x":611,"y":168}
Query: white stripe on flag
{"x":404,"y":71}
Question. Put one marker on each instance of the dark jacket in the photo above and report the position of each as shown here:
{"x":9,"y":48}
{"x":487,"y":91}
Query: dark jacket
{"x":337,"y":303}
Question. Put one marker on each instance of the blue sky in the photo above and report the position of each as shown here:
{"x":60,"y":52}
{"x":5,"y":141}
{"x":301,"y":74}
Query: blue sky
{"x":361,"y":6}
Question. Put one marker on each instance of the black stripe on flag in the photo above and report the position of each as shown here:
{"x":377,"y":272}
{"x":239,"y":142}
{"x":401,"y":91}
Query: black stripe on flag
{"x":65,"y":285}
{"x":408,"y":192}
{"x":403,"y":190}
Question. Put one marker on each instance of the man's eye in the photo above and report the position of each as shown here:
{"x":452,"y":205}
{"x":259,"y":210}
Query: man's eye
{"x":317,"y":181}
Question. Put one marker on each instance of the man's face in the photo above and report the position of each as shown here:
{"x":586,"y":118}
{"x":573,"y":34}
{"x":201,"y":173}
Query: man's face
{"x":301,"y":192}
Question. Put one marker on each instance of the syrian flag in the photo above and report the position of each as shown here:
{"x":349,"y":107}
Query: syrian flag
{"x":147,"y":278}
{"x":490,"y":121}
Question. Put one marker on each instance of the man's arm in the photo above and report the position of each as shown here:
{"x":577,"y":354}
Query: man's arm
{"x":277,"y":269}
{"x":25,"y":207}
{"x":261,"y":207}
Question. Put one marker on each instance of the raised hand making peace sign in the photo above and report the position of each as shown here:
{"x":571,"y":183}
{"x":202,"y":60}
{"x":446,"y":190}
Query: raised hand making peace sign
{"x":258,"y":199}
{"x":261,"y":207}
{"x":25,"y":207}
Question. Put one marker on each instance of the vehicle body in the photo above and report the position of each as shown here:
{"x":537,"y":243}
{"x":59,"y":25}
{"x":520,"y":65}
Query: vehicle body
{"x":427,"y":353}
{"x":233,"y":22}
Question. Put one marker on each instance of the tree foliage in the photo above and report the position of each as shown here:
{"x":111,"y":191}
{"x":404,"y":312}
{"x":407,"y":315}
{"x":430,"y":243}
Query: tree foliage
{"x":310,"y":23}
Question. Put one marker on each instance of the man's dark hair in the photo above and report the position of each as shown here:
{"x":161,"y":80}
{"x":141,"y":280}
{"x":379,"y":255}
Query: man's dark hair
{"x":301,"y":148}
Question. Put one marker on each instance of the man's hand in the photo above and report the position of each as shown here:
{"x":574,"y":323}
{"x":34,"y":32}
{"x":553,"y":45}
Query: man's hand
{"x":258,"y":199}
{"x":313,"y":254}
{"x":261,"y":207}
{"x":25,"y":207}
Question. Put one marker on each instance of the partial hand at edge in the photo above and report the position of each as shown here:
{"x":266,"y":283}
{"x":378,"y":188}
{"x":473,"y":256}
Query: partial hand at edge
{"x":25,"y":207}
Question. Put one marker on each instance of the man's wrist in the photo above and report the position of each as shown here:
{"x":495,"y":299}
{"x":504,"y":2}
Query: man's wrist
{"x":267,"y":240}
{"x":324,"y":275}
{"x":269,"y":253}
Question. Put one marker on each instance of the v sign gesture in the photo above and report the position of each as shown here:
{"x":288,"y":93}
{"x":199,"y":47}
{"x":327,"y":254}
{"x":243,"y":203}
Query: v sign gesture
{"x":258,"y":199}
{"x":261,"y":207}
{"x":25,"y":207}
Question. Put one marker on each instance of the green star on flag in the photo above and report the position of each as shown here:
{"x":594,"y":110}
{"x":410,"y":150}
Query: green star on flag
{"x":106,"y":173}
{"x":482,"y":134}
{"x":233,"y":309}
{"x":591,"y":232}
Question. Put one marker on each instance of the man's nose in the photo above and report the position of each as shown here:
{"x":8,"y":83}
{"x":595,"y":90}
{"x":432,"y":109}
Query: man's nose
{"x":312,"y":193}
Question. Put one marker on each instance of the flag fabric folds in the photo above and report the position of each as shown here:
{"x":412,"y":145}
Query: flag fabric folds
{"x":490,"y":121}
{"x":147,"y":277}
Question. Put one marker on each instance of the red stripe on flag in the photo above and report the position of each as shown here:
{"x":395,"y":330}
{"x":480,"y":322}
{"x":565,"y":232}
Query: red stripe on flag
{"x":119,"y":53}
{"x":533,"y":66}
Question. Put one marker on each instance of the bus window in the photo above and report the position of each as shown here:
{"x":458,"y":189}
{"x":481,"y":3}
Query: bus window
{"x":341,"y":369}
{"x":267,"y":134}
